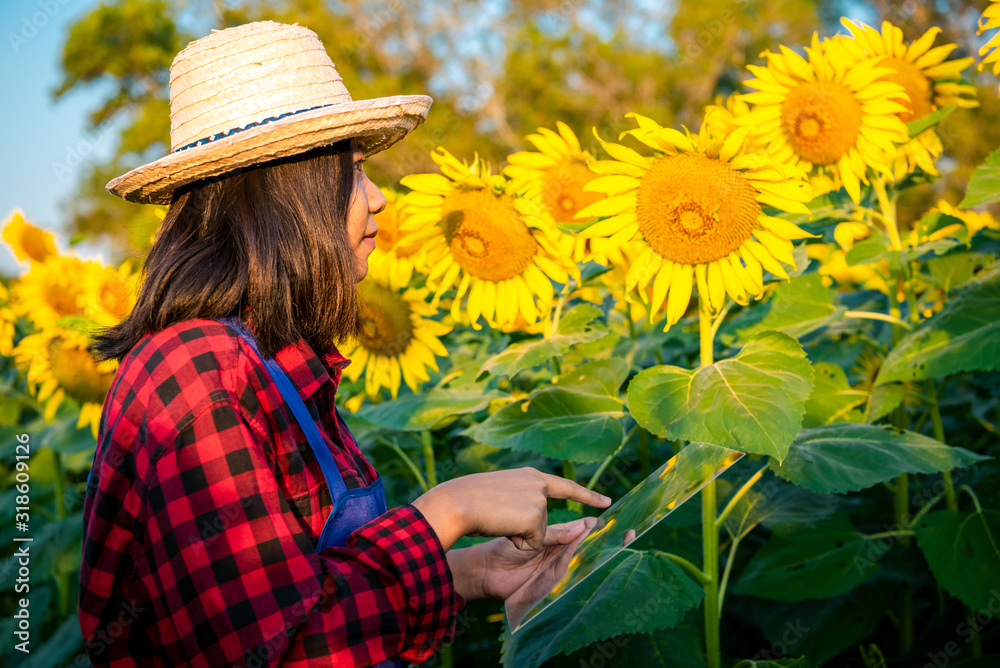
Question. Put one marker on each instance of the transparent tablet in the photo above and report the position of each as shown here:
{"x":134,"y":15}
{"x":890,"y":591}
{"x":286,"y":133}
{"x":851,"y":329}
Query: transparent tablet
{"x":641,"y":508}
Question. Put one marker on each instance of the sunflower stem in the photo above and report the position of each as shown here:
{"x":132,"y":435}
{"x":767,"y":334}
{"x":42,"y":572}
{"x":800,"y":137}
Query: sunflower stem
{"x":888,"y":212}
{"x":949,"y":486}
{"x":406,"y":460}
{"x":428,"y":448}
{"x":868,"y":315}
{"x":709,"y":529}
{"x":719,"y":318}
{"x":62,"y":577}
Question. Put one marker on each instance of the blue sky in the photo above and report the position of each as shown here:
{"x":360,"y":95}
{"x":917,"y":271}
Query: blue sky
{"x":36,"y":132}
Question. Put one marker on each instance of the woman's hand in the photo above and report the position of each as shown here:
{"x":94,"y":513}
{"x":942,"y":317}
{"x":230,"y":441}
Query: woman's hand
{"x":511,"y":503}
{"x":497,"y":569}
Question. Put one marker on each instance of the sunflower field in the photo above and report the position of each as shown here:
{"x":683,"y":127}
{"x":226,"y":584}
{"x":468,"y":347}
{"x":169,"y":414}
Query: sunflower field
{"x":593,"y":306}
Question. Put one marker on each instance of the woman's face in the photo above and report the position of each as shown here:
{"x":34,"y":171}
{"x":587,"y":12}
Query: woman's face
{"x":365,"y":203}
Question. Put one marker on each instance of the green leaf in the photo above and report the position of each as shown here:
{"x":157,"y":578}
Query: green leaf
{"x":681,"y":646}
{"x":575,"y":326}
{"x":59,"y":647}
{"x":751,"y":402}
{"x":578,"y":418}
{"x":819,"y":630}
{"x":773,"y":502}
{"x":985,"y":184}
{"x":799,"y":306}
{"x":954,"y":269}
{"x":928,"y":121}
{"x":417,"y":412}
{"x":832,"y":398}
{"x":883,"y":400}
{"x":841,"y":458}
{"x":963,"y":552}
{"x":821,"y":562}
{"x":650,"y":591}
{"x":963,"y":336}
{"x":798,"y":662}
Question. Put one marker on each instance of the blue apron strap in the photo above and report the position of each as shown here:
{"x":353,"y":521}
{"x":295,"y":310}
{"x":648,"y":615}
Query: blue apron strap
{"x":334,"y":480}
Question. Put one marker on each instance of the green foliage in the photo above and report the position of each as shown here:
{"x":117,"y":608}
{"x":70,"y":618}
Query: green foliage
{"x":649,"y":591}
{"x":820,"y":562}
{"x":984,"y":187}
{"x":963,"y":336}
{"x":428,"y":410}
{"x":841,"y":458}
{"x":832,"y":398}
{"x":963,"y":551}
{"x":752,"y":402}
{"x":577,"y":418}
{"x":576,"y":326}
{"x":798,"y":307}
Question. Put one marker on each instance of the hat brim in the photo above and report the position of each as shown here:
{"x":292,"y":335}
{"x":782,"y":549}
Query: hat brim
{"x":379,"y":122}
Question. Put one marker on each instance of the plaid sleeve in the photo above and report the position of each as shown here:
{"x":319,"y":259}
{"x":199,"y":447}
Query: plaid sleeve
{"x":235,"y":577}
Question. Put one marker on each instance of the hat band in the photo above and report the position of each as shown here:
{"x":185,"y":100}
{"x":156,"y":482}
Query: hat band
{"x":231,"y":132}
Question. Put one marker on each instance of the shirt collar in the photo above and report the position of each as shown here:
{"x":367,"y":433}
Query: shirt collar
{"x":309,"y":371}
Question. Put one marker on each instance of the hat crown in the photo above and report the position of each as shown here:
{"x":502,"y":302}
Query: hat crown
{"x":245,"y":75}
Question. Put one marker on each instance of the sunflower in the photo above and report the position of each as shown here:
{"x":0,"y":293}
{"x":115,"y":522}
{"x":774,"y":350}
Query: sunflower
{"x":108,"y":294}
{"x":929,"y":80}
{"x":557,"y":174}
{"x":7,"y":320}
{"x":58,"y":366}
{"x":696,"y":204}
{"x":974,"y":220}
{"x":27,"y":241}
{"x":393,"y":260}
{"x":50,"y":290}
{"x":487,"y":236}
{"x":834,"y":267}
{"x":398,"y":340}
{"x":989,"y":20}
{"x":833,"y":114}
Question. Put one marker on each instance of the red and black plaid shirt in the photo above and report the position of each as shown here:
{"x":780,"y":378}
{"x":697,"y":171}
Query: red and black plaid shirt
{"x":204,"y":510}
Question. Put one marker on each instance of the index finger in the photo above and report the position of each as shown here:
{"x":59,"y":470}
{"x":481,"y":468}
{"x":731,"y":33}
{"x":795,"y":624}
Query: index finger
{"x":561,"y":488}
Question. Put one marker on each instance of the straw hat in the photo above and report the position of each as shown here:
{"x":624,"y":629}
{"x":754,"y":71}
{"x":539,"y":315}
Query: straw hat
{"x":255,"y":93}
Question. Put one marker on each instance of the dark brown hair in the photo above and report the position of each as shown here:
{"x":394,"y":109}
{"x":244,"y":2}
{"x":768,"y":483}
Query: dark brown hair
{"x":272,"y":237}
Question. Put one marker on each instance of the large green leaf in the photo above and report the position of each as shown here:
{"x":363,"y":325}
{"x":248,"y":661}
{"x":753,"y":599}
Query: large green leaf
{"x":819,"y":630}
{"x":578,"y":418}
{"x":649,"y":590}
{"x":751,"y":402}
{"x":775,"y":503}
{"x":799,"y":306}
{"x":824,"y":561}
{"x":417,"y":412}
{"x":57,"y":648}
{"x":840,"y":458}
{"x":963,"y":336}
{"x":883,"y":399}
{"x":985,"y":184}
{"x":832,"y":398}
{"x":963,"y":552}
{"x":575,"y":326}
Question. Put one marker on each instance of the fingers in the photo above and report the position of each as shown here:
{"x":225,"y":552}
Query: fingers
{"x":629,"y":537}
{"x":561,"y":488}
{"x":567,"y":532}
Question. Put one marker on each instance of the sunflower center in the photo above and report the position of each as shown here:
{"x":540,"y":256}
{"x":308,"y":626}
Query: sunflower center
{"x":486,"y":235}
{"x":77,"y":373}
{"x":563,"y":190}
{"x":916,"y":85}
{"x":820,"y":120}
{"x":693,"y":209}
{"x":387,"y":328}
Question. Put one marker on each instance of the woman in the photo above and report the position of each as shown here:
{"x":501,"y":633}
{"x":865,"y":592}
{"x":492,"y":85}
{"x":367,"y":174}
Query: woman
{"x":230,"y":517}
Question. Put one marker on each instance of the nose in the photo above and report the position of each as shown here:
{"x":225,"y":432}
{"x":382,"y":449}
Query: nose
{"x":376,"y":200}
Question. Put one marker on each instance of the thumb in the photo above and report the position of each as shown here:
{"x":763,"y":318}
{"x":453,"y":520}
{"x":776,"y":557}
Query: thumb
{"x":567,"y":532}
